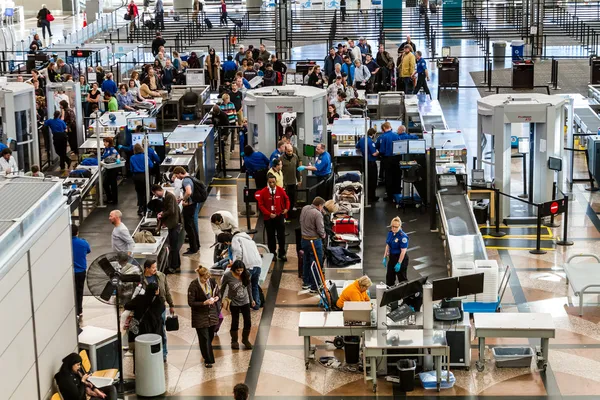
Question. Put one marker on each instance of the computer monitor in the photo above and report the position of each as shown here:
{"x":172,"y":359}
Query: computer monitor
{"x":470,"y":284}
{"x":445,"y":288}
{"x":400,"y":147}
{"x":555,"y":163}
{"x":156,"y":139}
{"x":136,"y":138}
{"x":309,"y":150}
{"x":402,"y":291}
{"x":477,"y":175}
{"x":416,"y":146}
{"x":133,"y":123}
{"x":149,"y":123}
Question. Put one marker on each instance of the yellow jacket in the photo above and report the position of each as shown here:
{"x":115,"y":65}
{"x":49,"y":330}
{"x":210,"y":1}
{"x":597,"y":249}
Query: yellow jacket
{"x":278,"y":177}
{"x":407,"y":68}
{"x":352,"y":293}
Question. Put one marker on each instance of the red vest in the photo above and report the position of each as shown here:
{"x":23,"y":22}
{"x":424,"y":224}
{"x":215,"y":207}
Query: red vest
{"x":269,"y":204}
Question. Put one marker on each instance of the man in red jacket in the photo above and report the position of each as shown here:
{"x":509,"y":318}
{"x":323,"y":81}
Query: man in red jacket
{"x":274,"y":203}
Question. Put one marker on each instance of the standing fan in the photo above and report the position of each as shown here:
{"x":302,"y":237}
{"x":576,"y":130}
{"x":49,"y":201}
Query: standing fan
{"x":113,"y":282}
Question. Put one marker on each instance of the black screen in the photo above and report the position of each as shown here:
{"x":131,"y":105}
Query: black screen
{"x":470,"y":284}
{"x":445,"y":288}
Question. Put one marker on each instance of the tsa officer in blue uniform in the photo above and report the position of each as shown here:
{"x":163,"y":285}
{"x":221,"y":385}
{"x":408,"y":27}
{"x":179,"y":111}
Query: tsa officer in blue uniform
{"x":138,"y":168}
{"x":322,"y":170}
{"x":395,"y":258}
{"x":389,"y":162}
{"x":257,"y":165}
{"x":372,"y":163}
{"x":402,"y":135}
{"x":422,"y":75}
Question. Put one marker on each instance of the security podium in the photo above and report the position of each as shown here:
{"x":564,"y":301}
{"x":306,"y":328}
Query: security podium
{"x":522,"y":74}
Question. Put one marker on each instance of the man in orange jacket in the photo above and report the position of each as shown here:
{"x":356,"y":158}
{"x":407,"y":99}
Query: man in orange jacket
{"x":274,"y":203}
{"x":357,"y":291}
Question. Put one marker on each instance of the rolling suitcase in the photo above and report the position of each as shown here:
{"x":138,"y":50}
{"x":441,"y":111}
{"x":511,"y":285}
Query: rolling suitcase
{"x":208,"y":23}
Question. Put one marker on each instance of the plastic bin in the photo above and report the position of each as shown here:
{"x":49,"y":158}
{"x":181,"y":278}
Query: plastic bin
{"x":518,"y":47}
{"x":429,"y":381}
{"x":149,"y":366}
{"x":352,"y":349}
{"x":513,"y":357}
{"x":499,"y":50}
{"x":406,"y":373}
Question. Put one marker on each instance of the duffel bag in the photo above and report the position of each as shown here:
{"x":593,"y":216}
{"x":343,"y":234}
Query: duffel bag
{"x":345,"y":225}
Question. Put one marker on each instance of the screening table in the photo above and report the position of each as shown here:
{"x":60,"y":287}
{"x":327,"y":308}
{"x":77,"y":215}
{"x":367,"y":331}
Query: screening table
{"x":424,"y":342}
{"x":514,"y":325}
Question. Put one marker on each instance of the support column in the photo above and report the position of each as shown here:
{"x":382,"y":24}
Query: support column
{"x":536,"y":29}
{"x":283,"y":17}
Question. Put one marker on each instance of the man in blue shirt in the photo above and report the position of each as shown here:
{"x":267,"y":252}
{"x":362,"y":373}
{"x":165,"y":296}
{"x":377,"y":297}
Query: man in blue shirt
{"x":402,"y":135}
{"x":278,"y":151}
{"x":348,"y":70}
{"x":109,"y":85}
{"x":59,"y":138}
{"x":422,"y":74}
{"x":322,"y":170}
{"x":390,"y":163}
{"x":2,"y":146}
{"x":229,"y":65}
{"x":372,"y":163}
{"x":257,"y":165}
{"x":81,"y":249}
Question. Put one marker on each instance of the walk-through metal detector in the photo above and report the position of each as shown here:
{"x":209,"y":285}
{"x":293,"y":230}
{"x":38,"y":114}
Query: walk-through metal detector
{"x":70,"y":91}
{"x":19,"y":124}
{"x":496,"y":118}
{"x":263,"y":105}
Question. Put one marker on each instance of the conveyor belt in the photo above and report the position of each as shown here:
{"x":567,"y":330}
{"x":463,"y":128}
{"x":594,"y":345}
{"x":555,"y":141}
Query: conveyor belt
{"x":587,"y":120}
{"x":18,"y":198}
{"x":458,"y":215}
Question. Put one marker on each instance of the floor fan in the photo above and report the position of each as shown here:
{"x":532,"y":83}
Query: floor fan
{"x":112,"y":279}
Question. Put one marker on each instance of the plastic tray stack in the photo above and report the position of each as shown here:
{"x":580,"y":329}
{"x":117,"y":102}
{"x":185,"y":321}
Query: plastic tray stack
{"x":490,"y":280}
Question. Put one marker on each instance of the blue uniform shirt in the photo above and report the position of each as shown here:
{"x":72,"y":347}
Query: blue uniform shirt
{"x":2,"y":146}
{"x":274,"y":155}
{"x":397,"y":241}
{"x":81,"y":248}
{"x":407,"y":136}
{"x":229,"y":66}
{"x":56,"y":124}
{"x":421,"y":66}
{"x":323,"y":165}
{"x":153,"y":156}
{"x":385,"y":143}
{"x":109,"y":86}
{"x":256,"y":162}
{"x":137,"y":163}
{"x":370,"y":147}
{"x":109,"y":151}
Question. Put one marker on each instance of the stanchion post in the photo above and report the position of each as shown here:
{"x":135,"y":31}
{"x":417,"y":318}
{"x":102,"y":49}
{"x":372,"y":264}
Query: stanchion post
{"x":497,"y":232}
{"x":538,"y":240}
{"x":565,"y":241}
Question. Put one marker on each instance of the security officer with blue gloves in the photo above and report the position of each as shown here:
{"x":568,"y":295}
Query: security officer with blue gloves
{"x":389,"y":162}
{"x":422,"y":74}
{"x":372,"y":163}
{"x":322,"y":170}
{"x":395,"y":259}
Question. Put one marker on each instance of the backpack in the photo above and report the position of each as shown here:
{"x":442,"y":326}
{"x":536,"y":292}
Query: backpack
{"x":199,"y":194}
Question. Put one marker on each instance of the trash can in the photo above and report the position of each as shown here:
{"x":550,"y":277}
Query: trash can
{"x":518,"y":47}
{"x":406,"y":373}
{"x":352,"y":349}
{"x":149,"y":366}
{"x":481,"y":213}
{"x":499,"y":50}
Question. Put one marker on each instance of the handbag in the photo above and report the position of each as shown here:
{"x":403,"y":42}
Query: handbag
{"x":172,"y":323}
{"x":127,"y":17}
{"x":39,"y":23}
{"x":49,"y":17}
{"x":226,"y":303}
{"x":134,"y":324}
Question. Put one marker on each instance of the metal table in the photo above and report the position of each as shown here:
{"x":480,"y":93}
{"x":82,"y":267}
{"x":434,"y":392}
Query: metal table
{"x":320,"y":323}
{"x":584,"y":278}
{"x":514,"y":325}
{"x":425,"y":342}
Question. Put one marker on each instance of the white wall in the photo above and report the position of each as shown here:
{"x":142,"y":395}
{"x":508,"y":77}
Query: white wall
{"x":42,"y":280}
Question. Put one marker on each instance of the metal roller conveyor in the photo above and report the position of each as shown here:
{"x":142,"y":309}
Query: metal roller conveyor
{"x":459,"y":216}
{"x":587,"y":120}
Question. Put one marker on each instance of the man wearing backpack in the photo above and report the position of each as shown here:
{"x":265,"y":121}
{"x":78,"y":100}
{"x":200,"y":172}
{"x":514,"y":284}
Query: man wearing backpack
{"x":194,"y":193}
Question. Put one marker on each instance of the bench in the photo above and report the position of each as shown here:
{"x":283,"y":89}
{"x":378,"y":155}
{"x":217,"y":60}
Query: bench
{"x":584,"y":278}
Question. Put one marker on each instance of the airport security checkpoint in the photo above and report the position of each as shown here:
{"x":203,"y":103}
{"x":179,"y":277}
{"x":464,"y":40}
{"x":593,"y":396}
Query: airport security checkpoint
{"x":375,"y":241}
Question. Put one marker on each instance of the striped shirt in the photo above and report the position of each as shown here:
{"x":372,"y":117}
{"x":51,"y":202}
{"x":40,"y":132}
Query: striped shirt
{"x":229,"y":110}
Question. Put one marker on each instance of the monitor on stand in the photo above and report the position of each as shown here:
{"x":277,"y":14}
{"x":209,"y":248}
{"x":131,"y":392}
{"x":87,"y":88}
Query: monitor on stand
{"x":470,"y":284}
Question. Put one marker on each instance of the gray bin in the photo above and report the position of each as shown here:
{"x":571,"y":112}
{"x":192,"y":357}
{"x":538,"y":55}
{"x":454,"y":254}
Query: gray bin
{"x":149,"y":366}
{"x":499,"y":51}
{"x":513,"y":357}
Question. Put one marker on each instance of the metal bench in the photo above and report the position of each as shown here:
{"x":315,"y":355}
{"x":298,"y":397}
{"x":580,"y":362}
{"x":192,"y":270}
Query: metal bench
{"x":584,"y":278}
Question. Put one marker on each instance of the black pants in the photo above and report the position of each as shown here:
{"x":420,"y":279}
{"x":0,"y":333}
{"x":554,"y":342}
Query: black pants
{"x":235,"y":317}
{"x":372,"y":180}
{"x":79,"y":284}
{"x":160,"y":21}
{"x":109,"y":391}
{"x":139,"y":180}
{"x":174,"y":247}
{"x":189,"y":213}
{"x":391,"y":274}
{"x":292,"y":192}
{"x":384,"y":79}
{"x":276,"y":230}
{"x":205,"y":338}
{"x":343,"y":12}
{"x":422,"y":83}
{"x":72,"y":135}
{"x":60,"y":147}
{"x":223,"y":19}
{"x":260,"y":179}
{"x":46,"y":25}
{"x":110,"y":185}
{"x":391,"y":164}
{"x":323,"y":189}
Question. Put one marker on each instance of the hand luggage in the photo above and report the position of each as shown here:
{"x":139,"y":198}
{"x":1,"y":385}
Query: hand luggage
{"x":345,"y":225}
{"x":209,"y":24}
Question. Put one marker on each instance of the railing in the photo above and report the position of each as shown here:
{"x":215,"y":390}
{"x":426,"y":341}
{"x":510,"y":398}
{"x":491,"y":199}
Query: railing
{"x":105,"y":22}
